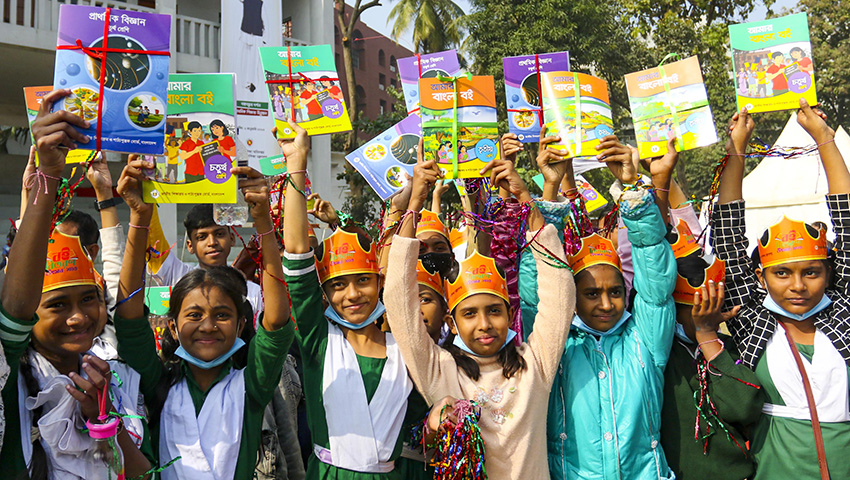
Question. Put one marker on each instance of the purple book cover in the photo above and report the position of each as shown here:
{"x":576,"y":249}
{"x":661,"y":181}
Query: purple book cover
{"x":411,"y":69}
{"x":385,"y":159}
{"x":133,"y":113}
{"x":522,"y":89}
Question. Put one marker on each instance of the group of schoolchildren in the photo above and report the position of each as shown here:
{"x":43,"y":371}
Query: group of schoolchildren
{"x":591,"y":358}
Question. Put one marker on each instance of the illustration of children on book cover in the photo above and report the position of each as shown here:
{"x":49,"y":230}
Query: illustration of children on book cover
{"x":522,"y":90}
{"x":465,"y":138}
{"x":411,"y":69}
{"x":670,"y":101}
{"x":199,"y":146}
{"x":131,"y":114}
{"x":576,"y":107}
{"x":773,"y":64}
{"x":304,"y":86}
{"x":33,"y":96}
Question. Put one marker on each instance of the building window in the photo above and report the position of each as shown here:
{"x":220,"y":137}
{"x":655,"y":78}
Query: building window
{"x":392,"y":83}
{"x":382,"y":80}
{"x":382,"y":58}
{"x":393,"y":65}
{"x":358,"y":51}
{"x":361,"y":98}
{"x":287,"y":27}
{"x":383,"y":107}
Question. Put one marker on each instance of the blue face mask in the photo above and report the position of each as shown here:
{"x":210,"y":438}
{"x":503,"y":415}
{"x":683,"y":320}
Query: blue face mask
{"x":774,"y":307}
{"x":459,"y":343}
{"x":206,"y":365}
{"x":376,"y":314}
{"x":578,"y":323}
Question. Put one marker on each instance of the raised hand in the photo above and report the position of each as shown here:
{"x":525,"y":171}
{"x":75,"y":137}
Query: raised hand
{"x":323,"y":210}
{"x":54,"y":133}
{"x":130,"y":184}
{"x":98,"y":175}
{"x":740,"y":131}
{"x":618,"y":157}
{"x":504,"y":175}
{"x":707,"y":309}
{"x":255,"y":188}
{"x":814,"y":121}
{"x":425,"y":175}
{"x":663,"y":166}
{"x":552,"y":163}
{"x":401,"y":199}
{"x":511,"y":146}
{"x":294,"y":150}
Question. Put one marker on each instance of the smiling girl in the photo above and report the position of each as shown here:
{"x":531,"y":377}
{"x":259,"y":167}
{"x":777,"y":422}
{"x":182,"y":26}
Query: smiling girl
{"x":210,"y":412}
{"x":795,"y":337}
{"x":482,"y":363}
{"x":47,"y":337}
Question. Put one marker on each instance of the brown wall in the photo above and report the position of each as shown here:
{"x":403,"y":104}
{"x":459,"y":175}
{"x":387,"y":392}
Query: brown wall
{"x":371,"y":73}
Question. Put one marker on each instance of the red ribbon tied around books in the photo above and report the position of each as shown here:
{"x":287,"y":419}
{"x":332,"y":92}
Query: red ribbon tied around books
{"x":99,"y":53}
{"x":291,"y":81}
{"x":539,"y":110}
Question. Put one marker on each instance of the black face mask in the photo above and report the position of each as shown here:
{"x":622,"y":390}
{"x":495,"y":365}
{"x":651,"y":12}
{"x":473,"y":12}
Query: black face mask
{"x":437,"y":262}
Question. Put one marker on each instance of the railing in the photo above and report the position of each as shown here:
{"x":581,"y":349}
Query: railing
{"x":31,"y":23}
{"x":294,"y":42}
{"x":197,"y":37}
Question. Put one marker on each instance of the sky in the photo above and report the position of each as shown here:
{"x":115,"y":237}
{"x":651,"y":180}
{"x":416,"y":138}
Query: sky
{"x":376,"y":17}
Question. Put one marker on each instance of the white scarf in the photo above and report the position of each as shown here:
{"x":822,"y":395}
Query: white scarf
{"x":827,"y":374}
{"x":61,"y":421}
{"x":209,"y":442}
{"x":362,"y":434}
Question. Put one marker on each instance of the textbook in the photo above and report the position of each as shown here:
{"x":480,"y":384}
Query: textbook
{"x":773,"y":64}
{"x":33,"y":96}
{"x":385,"y":159}
{"x":670,"y":101}
{"x":304,"y":87}
{"x":522,"y":91}
{"x":411,"y":69}
{"x":200,"y":149}
{"x":568,"y":96}
{"x":131,"y":114}
{"x":460,"y":128}
{"x":157,"y":299}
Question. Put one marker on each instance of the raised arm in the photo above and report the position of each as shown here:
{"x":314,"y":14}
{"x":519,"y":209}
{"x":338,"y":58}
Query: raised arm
{"x":662,"y":169}
{"x":731,"y":181}
{"x":54,"y":135}
{"x":511,"y":146}
{"x":275,"y":293}
{"x":398,"y":205}
{"x":421,"y":354}
{"x":130,"y":298}
{"x":814,"y":121}
{"x":295,"y":151}
{"x":557,"y":169}
{"x":557,"y":292}
{"x":440,"y":188}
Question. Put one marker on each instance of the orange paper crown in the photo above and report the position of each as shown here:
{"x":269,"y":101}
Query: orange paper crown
{"x":68,"y":265}
{"x":431,"y":280}
{"x":595,"y":250}
{"x":343,"y":255}
{"x":790,"y":241}
{"x":430,"y":222}
{"x":684,"y":292}
{"x":686,"y":243}
{"x":478,"y":274}
{"x":457,"y":237}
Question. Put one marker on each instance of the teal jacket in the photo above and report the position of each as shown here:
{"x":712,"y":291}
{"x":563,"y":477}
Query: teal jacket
{"x":605,"y":405}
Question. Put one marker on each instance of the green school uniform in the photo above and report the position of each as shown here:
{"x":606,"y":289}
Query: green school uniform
{"x":266,"y":355}
{"x":15,"y":338}
{"x":787,"y":445}
{"x":312,"y":338}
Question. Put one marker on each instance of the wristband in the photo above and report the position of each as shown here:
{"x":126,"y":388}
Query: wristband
{"x":108,"y":203}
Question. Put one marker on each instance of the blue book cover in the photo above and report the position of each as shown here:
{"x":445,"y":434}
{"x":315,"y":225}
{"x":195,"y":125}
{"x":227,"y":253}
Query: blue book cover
{"x":132,"y":112}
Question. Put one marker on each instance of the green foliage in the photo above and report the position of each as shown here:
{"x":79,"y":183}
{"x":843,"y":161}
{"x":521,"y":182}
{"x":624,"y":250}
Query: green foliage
{"x":434,"y":23}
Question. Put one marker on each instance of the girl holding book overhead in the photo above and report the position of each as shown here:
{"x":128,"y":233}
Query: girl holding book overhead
{"x":210,"y":411}
{"x":605,"y":404}
{"x":50,"y":314}
{"x":793,"y":328}
{"x":355,"y":381}
{"x":482,"y":361}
